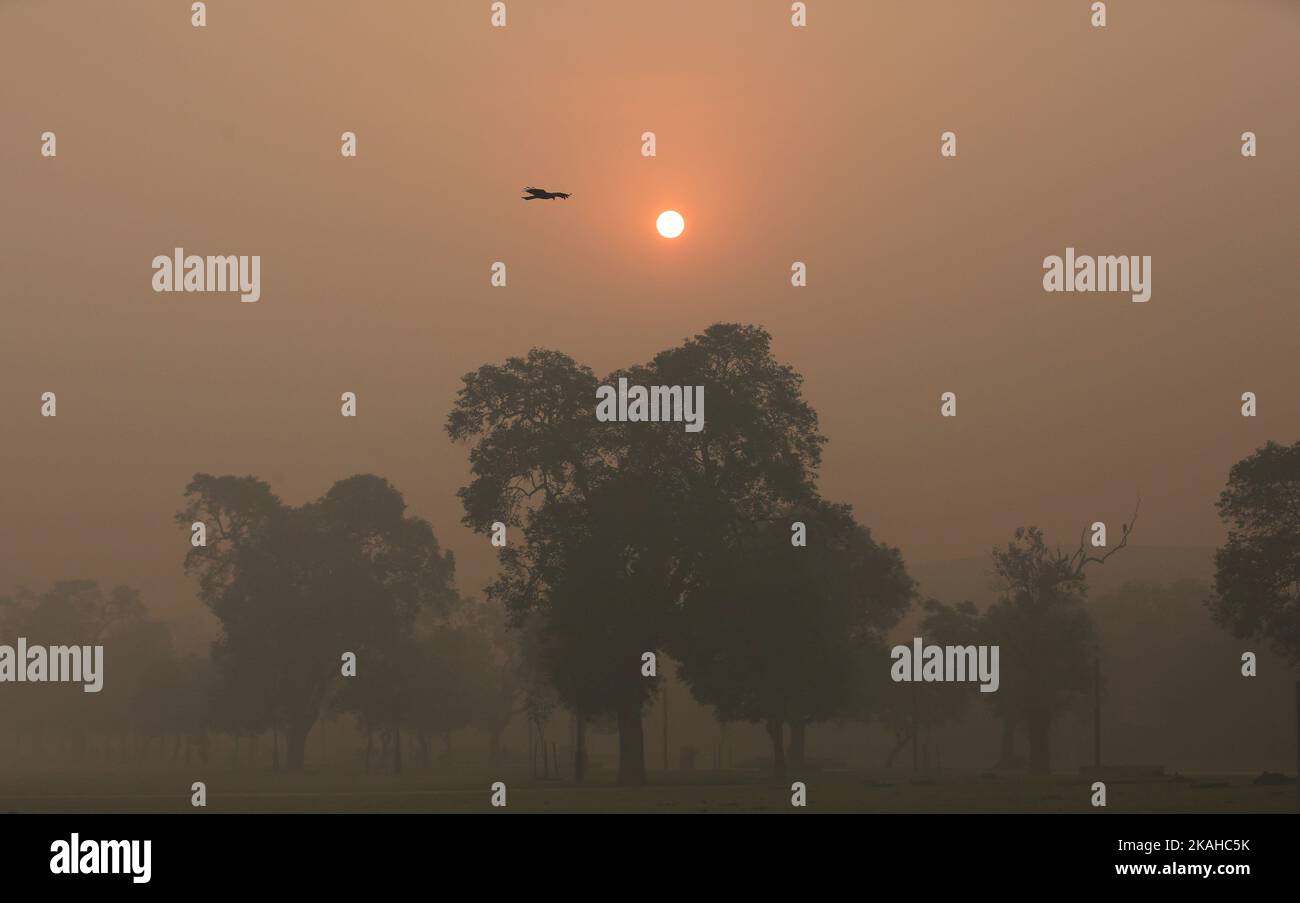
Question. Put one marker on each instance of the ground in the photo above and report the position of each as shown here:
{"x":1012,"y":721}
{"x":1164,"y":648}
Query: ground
{"x":466,"y":790}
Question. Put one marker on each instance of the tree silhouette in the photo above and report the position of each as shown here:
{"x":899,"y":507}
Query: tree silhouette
{"x":777,"y":634}
{"x":616,"y":517}
{"x":500,"y":682}
{"x":238,"y":706}
{"x":1045,"y":635}
{"x":607,"y":604}
{"x":460,"y":681}
{"x":1257,"y":571}
{"x":294,"y":588}
{"x":911,"y":709}
{"x":173,"y":700}
{"x":536,"y":456}
{"x":80,"y":613}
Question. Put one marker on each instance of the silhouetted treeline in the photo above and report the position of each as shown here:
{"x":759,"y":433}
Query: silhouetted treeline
{"x":158,"y":705}
{"x":627,"y":547}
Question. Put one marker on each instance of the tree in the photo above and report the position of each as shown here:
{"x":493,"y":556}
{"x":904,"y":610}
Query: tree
{"x":595,"y":530}
{"x":81,"y":613}
{"x":72,"y":611}
{"x":616,"y":516}
{"x":460,"y":680}
{"x":786,"y":635}
{"x":591,"y":578}
{"x":500,"y":686}
{"x":913,"y":708}
{"x":1257,"y":571}
{"x":535,"y":454}
{"x":1163,"y":638}
{"x":294,"y":588}
{"x":538,"y":696}
{"x":238,"y":706}
{"x":382,"y":695}
{"x":1045,"y":634}
{"x":173,"y":699}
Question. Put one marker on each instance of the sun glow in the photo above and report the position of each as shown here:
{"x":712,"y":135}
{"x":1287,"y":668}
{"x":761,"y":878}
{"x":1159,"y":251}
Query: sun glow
{"x":670,"y":224}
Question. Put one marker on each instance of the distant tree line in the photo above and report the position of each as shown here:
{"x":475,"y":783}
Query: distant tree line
{"x":714,"y":549}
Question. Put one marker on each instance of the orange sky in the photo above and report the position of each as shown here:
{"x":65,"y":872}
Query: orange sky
{"x":777,"y":144}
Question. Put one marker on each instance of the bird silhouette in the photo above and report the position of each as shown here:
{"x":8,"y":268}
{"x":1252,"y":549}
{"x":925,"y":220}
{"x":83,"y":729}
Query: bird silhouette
{"x":541,"y":194}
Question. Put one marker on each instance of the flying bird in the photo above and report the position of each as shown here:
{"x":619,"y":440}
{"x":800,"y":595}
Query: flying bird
{"x":541,"y":194}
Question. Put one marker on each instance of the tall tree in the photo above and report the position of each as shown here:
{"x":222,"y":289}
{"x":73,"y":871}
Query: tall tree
{"x":1257,"y":571}
{"x":294,"y":588}
{"x":616,"y":516}
{"x":536,"y":456}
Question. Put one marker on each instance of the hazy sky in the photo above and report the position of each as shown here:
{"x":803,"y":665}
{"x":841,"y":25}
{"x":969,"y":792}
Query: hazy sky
{"x":777,"y":144}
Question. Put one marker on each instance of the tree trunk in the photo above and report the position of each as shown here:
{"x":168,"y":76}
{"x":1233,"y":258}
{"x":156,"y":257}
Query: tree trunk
{"x":397,"y":749}
{"x":579,"y":748}
{"x":776,"y":731}
{"x":631,"y":745}
{"x":1039,"y":726}
{"x":275,"y":747}
{"x":295,"y":745}
{"x":798,"y":733}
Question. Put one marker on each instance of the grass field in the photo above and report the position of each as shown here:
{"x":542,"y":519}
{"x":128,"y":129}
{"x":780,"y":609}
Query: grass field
{"x":464,"y":790}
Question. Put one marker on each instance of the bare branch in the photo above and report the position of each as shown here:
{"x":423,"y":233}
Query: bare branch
{"x":1081,"y":559}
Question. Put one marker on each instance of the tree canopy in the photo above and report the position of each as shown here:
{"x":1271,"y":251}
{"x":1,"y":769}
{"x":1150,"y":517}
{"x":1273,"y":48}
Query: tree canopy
{"x":295,"y":587}
{"x":1257,"y":571}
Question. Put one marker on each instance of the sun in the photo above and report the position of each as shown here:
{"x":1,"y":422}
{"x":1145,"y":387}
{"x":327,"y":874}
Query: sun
{"x":670,"y":224}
